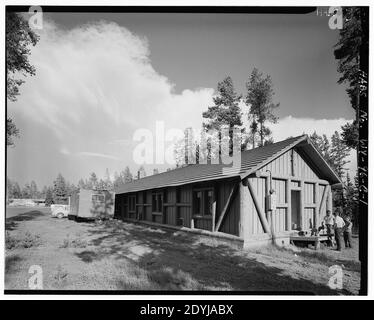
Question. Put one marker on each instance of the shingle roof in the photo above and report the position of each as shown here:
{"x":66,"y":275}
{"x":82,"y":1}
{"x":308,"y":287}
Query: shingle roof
{"x":251,"y":160}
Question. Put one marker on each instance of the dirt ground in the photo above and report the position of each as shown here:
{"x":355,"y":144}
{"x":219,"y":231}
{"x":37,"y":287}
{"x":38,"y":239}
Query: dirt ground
{"x":122,"y":256}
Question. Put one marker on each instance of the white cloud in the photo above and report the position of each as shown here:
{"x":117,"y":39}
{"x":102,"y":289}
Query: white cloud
{"x":97,"y":78}
{"x":94,"y":85}
{"x":290,"y":126}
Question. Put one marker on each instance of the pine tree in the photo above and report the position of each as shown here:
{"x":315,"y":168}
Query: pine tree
{"x":19,"y":38}
{"x":82,"y":184}
{"x":92,"y":181}
{"x":351,"y":195}
{"x":322,"y":143}
{"x":339,"y":154}
{"x":259,"y":99}
{"x":26,"y":191}
{"x":117,"y":182}
{"x":59,"y":189}
{"x":16,"y":191}
{"x":224,"y":113}
{"x":34,"y":193}
{"x":49,"y":197}
{"x":126,"y":175}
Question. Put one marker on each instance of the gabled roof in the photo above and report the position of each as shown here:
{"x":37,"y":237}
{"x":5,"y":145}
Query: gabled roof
{"x":251,"y":160}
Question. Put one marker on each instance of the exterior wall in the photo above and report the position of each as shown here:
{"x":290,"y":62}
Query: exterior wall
{"x":178,"y":207}
{"x":300,"y":176}
{"x":231,"y":222}
{"x":289,"y":172}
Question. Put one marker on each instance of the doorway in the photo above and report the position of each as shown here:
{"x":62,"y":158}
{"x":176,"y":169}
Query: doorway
{"x":295,"y":209}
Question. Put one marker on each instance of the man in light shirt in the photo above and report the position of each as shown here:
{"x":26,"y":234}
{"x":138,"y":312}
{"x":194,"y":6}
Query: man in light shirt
{"x":329,"y":221}
{"x":339,"y":225}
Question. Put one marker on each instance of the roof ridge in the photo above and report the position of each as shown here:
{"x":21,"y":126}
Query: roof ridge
{"x":187,"y":168}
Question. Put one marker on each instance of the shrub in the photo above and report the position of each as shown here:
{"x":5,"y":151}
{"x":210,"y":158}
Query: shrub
{"x":74,"y":243}
{"x":28,"y":241}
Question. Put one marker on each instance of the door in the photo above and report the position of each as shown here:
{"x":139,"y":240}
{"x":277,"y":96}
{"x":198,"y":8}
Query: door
{"x":295,"y":209}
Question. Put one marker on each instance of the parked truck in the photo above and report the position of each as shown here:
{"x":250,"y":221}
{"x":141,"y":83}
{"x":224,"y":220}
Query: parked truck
{"x":60,"y":210}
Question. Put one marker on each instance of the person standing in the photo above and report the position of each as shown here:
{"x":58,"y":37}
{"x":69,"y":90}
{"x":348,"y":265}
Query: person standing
{"x":329,"y":221}
{"x":348,"y":233}
{"x":339,"y":225}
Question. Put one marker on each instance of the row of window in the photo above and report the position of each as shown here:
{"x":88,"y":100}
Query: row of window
{"x":202,"y":202}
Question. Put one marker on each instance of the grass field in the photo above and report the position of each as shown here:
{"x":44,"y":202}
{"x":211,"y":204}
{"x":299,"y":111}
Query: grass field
{"x":121,"y":256}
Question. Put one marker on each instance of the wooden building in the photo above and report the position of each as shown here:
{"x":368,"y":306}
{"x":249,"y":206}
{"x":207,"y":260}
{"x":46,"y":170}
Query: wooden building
{"x":91,"y":204}
{"x":279,"y":188}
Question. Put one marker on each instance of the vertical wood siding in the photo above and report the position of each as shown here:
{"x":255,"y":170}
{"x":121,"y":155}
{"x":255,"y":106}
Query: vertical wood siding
{"x":185,"y":212}
{"x":280,"y":190}
{"x":280,"y":219}
{"x":282,"y":166}
{"x":309,"y":193}
{"x":308,"y":218}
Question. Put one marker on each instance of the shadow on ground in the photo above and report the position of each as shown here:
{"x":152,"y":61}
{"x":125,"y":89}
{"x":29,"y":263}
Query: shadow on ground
{"x":11,"y":263}
{"x":171,"y":258}
{"x":11,"y":223}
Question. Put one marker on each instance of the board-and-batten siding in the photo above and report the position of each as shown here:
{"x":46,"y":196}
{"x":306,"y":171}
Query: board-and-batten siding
{"x":231,"y":224}
{"x":283,"y":166}
{"x":280,"y":215}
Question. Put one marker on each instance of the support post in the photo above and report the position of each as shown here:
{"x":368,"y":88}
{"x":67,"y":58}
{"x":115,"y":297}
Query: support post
{"x":288,"y":201}
{"x":316,"y":201}
{"x":267,"y":193}
{"x":214,"y":207}
{"x":245,"y":211}
{"x":329,"y":199}
{"x":302,"y":186}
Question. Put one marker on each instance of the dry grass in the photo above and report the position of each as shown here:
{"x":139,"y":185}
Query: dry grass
{"x":114,"y":255}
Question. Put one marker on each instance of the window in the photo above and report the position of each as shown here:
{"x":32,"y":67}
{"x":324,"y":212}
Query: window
{"x":131,"y":203}
{"x":203,"y":202}
{"x":157,"y":202}
{"x":98,"y":198}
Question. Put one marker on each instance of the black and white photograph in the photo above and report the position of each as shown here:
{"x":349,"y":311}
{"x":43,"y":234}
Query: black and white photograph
{"x":186,"y":150}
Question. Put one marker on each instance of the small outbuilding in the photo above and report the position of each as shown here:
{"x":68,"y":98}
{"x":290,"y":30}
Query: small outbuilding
{"x":91,"y":204}
{"x":278,"y":190}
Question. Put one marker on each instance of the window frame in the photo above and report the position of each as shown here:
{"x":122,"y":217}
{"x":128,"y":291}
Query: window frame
{"x":202,"y":212}
{"x":158,"y":200}
{"x":98,"y":195}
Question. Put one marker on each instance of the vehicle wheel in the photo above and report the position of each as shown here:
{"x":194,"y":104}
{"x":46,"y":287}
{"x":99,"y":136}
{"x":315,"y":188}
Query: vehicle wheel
{"x":60,"y":215}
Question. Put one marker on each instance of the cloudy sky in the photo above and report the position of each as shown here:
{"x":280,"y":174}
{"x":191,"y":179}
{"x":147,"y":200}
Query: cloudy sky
{"x":101,"y":77}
